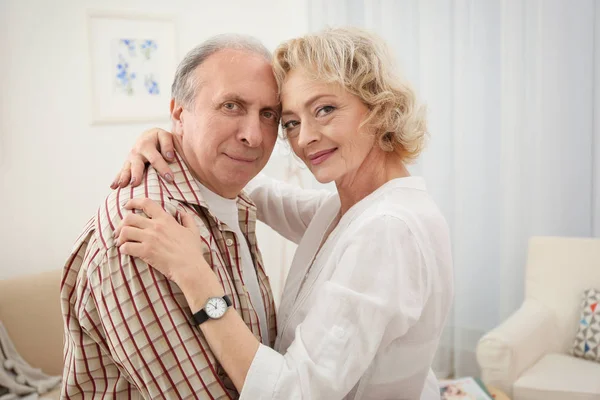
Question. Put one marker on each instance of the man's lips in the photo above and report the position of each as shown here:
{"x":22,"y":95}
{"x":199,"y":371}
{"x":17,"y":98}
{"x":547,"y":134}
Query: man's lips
{"x":241,"y":159}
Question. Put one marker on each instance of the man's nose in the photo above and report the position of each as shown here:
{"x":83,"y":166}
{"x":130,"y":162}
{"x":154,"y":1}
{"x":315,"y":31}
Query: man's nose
{"x":251,"y":131}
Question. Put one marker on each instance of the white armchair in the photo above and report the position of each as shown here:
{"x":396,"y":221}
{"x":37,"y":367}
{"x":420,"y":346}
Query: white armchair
{"x":528,"y":355}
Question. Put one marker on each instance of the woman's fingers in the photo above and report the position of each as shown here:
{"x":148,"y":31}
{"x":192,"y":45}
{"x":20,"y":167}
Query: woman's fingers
{"x":160,"y":165}
{"x":115,"y":183}
{"x":149,"y":207}
{"x":130,"y":234}
{"x":135,"y":221}
{"x":125,"y":177}
{"x":133,"y":249}
{"x":137,"y":170}
{"x":167,"y":147}
{"x":149,"y":148}
{"x":187,"y":220}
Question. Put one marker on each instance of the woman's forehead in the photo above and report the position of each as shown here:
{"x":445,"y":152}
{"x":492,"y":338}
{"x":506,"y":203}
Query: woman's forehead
{"x":301,"y":85}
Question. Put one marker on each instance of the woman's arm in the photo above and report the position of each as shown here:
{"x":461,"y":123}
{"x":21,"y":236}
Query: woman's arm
{"x":379,"y":287}
{"x":229,"y":338}
{"x":286,"y":208}
{"x":374,"y":287}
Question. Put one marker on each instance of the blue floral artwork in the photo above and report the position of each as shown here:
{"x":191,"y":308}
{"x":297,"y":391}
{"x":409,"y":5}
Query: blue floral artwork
{"x":135,"y":72}
{"x":124,"y":78}
{"x":147,"y":48}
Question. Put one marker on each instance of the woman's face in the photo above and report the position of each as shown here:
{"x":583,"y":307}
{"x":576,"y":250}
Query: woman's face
{"x":322,"y":123}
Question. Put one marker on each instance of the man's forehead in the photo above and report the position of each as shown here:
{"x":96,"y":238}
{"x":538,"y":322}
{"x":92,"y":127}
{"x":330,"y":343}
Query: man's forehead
{"x":233,"y":61}
{"x":244,"y":89}
{"x":225,"y":75}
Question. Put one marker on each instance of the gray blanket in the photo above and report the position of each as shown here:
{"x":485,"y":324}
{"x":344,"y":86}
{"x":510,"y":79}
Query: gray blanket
{"x":21,"y":379}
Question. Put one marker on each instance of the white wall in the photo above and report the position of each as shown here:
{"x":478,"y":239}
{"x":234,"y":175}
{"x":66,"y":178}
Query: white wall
{"x":55,"y":167}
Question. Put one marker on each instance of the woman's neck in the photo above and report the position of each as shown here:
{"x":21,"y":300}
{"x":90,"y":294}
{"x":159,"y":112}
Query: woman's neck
{"x":378,"y":168}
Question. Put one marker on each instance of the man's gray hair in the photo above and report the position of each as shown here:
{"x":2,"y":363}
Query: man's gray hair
{"x":185,"y":85}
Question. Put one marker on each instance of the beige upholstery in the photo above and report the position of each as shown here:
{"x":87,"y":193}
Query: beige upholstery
{"x":559,"y":377}
{"x":30,"y":312}
{"x":528,"y":355}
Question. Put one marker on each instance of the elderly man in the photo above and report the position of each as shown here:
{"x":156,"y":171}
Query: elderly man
{"x":129,"y":331}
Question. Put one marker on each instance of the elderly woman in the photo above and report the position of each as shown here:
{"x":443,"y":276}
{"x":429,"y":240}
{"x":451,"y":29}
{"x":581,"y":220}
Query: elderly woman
{"x":370,"y":286}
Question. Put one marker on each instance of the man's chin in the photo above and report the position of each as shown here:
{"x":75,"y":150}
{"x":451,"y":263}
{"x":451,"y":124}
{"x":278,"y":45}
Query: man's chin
{"x":238,"y":180}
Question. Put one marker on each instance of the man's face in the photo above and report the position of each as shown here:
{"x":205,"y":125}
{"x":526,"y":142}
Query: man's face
{"x":229,"y":132}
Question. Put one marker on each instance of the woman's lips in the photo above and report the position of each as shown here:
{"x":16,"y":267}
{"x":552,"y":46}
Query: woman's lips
{"x":321,"y":156}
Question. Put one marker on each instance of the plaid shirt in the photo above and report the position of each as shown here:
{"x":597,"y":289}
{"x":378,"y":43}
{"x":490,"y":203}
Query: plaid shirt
{"x":128,"y":330}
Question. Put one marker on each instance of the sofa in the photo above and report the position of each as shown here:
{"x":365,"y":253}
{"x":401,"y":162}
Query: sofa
{"x":30,"y":312}
{"x":528,"y":356}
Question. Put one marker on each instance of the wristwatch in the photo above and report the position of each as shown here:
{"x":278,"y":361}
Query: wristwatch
{"x":214,"y":309}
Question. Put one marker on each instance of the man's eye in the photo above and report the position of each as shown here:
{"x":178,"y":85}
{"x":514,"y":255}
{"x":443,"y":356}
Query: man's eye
{"x":270,"y":115}
{"x":325,"y":110}
{"x":290,"y":124}
{"x":231,"y":106}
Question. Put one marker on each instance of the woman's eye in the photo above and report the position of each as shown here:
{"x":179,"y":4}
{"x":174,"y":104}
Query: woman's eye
{"x":325,"y":110}
{"x":290,"y":124}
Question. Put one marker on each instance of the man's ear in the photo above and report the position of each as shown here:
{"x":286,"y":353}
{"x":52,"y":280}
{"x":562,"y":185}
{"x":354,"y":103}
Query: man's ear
{"x":176,"y":116}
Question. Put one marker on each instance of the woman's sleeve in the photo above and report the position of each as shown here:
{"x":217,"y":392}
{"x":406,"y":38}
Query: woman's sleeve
{"x":286,"y":208}
{"x":380,"y":279}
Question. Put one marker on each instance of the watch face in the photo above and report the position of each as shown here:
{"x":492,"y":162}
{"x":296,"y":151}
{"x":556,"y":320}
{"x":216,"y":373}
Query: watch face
{"x":215,"y":307}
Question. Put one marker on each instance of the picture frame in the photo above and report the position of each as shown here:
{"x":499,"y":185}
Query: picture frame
{"x":133,"y":57}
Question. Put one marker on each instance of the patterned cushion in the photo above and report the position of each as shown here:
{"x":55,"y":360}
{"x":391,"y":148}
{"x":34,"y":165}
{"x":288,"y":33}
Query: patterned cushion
{"x":587,"y":341}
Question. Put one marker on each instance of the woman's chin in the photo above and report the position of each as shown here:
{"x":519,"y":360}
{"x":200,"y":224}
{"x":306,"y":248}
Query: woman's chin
{"x":323,"y":177}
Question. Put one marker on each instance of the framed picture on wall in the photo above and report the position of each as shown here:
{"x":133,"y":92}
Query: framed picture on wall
{"x":132,"y":63}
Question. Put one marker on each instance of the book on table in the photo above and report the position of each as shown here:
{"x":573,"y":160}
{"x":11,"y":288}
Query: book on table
{"x":464,"y":389}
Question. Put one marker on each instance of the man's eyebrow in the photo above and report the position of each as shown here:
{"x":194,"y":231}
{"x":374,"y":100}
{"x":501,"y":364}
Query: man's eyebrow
{"x":232,"y":97}
{"x":274,"y":107}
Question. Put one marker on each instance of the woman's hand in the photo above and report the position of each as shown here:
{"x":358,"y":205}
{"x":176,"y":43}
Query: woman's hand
{"x":174,"y":250}
{"x":154,"y":146}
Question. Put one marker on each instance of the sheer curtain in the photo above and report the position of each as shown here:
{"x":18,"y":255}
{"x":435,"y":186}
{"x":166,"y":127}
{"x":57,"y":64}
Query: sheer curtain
{"x":514,"y":113}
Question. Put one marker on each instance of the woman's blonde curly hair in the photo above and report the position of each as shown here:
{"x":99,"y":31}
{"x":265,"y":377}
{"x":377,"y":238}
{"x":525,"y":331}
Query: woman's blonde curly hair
{"x":360,"y":61}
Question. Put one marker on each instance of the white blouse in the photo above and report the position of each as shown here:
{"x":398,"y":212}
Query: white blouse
{"x":361,"y":318}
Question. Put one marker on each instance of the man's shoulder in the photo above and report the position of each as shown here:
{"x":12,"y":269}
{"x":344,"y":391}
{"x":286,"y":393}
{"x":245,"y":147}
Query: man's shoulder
{"x":112,"y":210}
{"x":245,"y":200}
